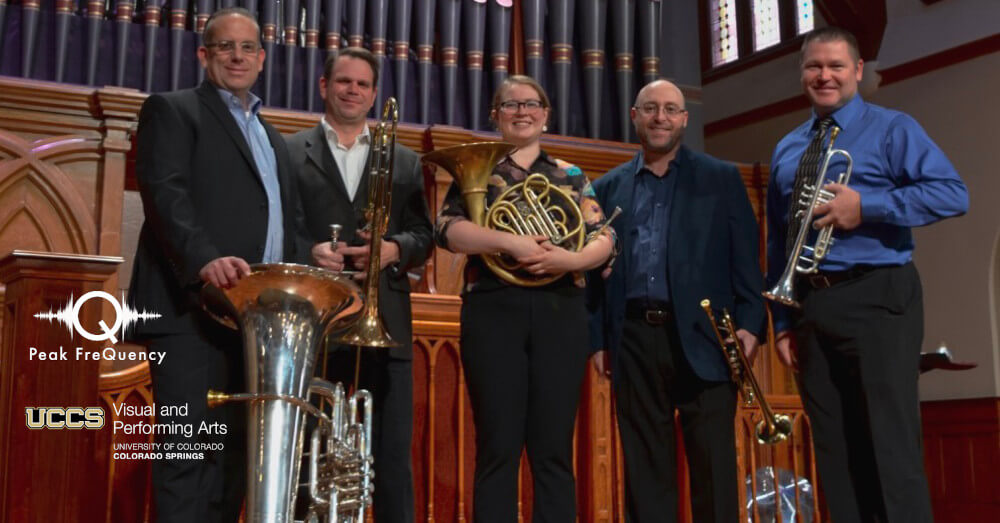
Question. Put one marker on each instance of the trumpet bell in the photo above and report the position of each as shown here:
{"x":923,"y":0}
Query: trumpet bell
{"x":783,"y":293}
{"x":776,"y":433}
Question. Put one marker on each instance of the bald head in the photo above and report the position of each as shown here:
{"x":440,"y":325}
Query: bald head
{"x":660,"y":89}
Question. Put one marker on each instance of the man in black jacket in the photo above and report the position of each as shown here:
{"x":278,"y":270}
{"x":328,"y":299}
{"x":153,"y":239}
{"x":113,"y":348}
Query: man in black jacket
{"x":331,"y":164}
{"x":688,"y":233}
{"x":218,"y":194}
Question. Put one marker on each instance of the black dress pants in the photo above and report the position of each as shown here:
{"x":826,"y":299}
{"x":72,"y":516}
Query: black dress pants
{"x":209,"y":489}
{"x":653,"y":379}
{"x":859,"y":353}
{"x":390,"y":381}
{"x":524,"y":353}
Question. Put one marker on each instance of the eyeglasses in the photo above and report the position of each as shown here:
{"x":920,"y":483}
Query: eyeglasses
{"x":228,"y":46}
{"x":512,"y":106}
{"x":651,"y":109}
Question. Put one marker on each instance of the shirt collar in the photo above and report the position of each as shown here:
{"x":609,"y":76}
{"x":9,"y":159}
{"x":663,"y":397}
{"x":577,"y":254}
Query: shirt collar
{"x":676,"y":163}
{"x":844,"y":116}
{"x":232,"y":101}
{"x":331,"y":134}
{"x":542,"y":157}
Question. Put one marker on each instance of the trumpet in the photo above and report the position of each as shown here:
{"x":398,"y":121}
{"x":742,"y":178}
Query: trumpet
{"x":774,"y":428}
{"x":805,"y":259}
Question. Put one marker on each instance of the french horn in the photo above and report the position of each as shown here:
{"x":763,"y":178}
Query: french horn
{"x":534,"y":206}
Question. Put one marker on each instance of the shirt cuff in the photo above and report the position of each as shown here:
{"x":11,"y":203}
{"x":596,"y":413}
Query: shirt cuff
{"x":781,"y":317}
{"x":874,"y":206}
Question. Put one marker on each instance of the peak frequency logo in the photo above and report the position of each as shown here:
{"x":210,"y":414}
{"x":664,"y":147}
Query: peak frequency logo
{"x":69,"y":316}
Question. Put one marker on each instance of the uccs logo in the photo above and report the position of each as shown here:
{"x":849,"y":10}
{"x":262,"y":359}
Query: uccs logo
{"x":73,"y":418}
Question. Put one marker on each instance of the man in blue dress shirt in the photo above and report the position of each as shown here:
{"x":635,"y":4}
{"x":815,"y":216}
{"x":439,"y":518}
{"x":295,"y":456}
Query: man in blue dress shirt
{"x":856,"y":339}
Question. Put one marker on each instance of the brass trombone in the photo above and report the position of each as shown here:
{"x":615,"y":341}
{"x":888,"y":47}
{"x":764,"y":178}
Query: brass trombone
{"x":774,"y":428}
{"x":805,"y":259}
{"x":368,"y":330}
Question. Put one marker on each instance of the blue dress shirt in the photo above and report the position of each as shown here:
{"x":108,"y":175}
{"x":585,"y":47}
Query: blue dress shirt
{"x":267,"y":166}
{"x":903,"y":178}
{"x":648,"y":235}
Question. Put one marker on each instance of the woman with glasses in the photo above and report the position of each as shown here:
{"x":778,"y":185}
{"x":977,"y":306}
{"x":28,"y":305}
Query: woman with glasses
{"x":524,"y":349}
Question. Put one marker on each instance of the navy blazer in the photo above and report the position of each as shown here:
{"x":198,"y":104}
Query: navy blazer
{"x":712,"y":253}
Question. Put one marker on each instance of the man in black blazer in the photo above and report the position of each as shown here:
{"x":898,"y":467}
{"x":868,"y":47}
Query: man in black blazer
{"x":331,"y":164}
{"x":218,"y":194}
{"x":687,"y":233}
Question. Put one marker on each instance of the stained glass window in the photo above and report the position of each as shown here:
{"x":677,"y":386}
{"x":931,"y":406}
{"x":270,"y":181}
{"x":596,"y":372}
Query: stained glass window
{"x":766,"y":29}
{"x":723,"y":23}
{"x":804,"y":12}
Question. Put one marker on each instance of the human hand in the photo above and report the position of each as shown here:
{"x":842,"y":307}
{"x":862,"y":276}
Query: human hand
{"x":361,"y":254}
{"x":602,"y":363}
{"x":522,"y":246}
{"x":843,"y":211}
{"x":324,"y":256}
{"x":749,"y":342}
{"x":224,"y":272}
{"x":787,"y":349}
{"x":552,"y":260}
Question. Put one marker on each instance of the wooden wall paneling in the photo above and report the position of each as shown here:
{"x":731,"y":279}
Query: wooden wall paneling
{"x":129,"y":494}
{"x":962,"y":457}
{"x":43,"y":465}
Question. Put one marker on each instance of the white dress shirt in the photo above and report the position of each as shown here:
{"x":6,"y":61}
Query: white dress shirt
{"x":350,"y":160}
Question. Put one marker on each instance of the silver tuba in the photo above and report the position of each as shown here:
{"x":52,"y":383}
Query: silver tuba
{"x":284,"y":312}
{"x":805,"y":259}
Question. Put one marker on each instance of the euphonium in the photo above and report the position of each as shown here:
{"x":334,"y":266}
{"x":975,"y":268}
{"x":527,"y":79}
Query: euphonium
{"x":284,"y":312}
{"x":774,"y":428}
{"x":803,"y":207}
{"x":534,"y":206}
{"x":368,"y":330}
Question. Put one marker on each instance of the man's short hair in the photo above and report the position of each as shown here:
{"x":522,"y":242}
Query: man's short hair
{"x":207,"y":34}
{"x":354,"y":52}
{"x":831,"y":34}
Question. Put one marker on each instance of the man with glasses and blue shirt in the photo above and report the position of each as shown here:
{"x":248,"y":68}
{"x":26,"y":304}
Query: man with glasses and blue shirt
{"x":856,"y":340}
{"x":687,"y":233}
{"x":218,"y":195}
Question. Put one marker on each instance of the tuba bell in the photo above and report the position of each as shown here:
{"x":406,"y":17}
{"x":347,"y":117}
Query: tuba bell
{"x":284,"y":312}
{"x":805,"y":259}
{"x":774,"y":428}
{"x":534,"y":206}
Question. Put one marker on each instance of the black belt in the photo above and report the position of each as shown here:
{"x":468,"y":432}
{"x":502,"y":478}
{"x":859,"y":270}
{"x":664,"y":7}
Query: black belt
{"x":827,"y":279}
{"x":652,"y":312}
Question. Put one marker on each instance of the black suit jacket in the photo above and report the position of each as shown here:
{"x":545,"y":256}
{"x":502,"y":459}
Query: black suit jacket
{"x":203,"y":199}
{"x":325,"y":201}
{"x":712,"y":253}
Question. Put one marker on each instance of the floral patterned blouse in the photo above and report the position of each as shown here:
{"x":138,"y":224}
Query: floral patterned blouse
{"x":564,"y":175}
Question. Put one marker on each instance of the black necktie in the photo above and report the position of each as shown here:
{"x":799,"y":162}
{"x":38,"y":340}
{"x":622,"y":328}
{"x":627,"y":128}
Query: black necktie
{"x":806,"y":173}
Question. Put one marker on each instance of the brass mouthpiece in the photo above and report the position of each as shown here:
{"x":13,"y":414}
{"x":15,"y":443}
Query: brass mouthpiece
{"x":215,"y":398}
{"x":706,"y":304}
